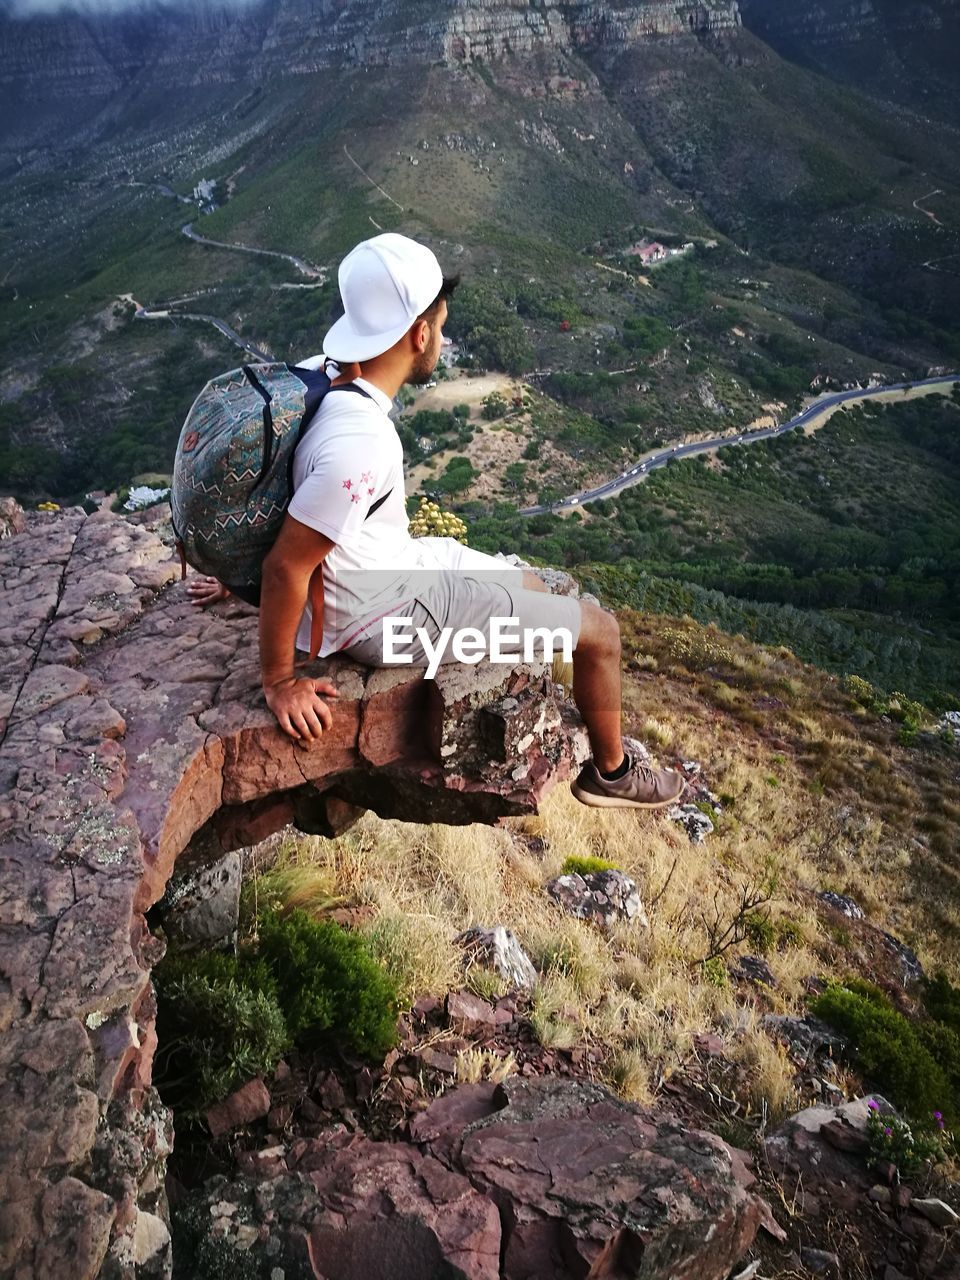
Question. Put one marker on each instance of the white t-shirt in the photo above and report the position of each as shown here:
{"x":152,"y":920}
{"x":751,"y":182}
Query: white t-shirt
{"x":349,"y":458}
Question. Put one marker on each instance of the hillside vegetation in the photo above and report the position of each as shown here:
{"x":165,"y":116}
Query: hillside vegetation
{"x":809,"y":255}
{"x":813,"y":794}
{"x":842,"y":545}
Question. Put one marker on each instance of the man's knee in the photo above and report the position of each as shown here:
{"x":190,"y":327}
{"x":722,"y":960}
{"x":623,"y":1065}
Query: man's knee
{"x":599,"y":631}
{"x":532,"y":582}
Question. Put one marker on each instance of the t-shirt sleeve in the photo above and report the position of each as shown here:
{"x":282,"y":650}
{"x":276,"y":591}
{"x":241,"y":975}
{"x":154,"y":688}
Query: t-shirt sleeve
{"x":341,"y":483}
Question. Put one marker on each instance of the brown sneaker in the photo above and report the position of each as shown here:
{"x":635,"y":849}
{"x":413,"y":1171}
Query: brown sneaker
{"x":641,"y":787}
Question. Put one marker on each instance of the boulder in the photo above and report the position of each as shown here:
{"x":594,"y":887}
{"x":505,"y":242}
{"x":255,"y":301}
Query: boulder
{"x":911,"y":970}
{"x":582,"y":1177}
{"x":754,"y":969}
{"x":937,"y":1211}
{"x":809,"y":1038}
{"x":605,"y":897}
{"x":248,"y":1103}
{"x":693,"y":820}
{"x":204,"y":907}
{"x":134,"y":732}
{"x":840,"y":902}
{"x":540,"y":1178}
{"x":821,"y":1262}
{"x":498,"y":949}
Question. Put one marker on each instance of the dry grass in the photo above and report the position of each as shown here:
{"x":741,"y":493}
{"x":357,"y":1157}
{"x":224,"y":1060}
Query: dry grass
{"x":809,"y":802}
{"x":474,"y":1065}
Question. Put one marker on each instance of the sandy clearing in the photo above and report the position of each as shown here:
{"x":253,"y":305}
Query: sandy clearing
{"x":462,"y":389}
{"x":492,"y":448}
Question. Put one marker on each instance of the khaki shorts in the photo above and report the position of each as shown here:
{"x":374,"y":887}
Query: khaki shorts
{"x":469,"y":598}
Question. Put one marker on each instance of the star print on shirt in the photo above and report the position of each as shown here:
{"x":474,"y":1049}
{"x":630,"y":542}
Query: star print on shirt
{"x":348,"y":484}
{"x":354,"y":497}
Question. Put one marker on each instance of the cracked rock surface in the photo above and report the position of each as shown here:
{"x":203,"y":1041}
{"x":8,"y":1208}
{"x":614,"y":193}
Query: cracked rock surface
{"x":129,"y":723}
{"x":530,"y":1178}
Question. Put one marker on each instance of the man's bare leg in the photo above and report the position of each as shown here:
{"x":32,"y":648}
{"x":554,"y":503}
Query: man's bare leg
{"x":611,"y":780}
{"x":596,"y":684}
{"x":596,"y":679}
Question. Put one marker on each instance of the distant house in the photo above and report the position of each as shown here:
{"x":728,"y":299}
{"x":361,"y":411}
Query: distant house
{"x":651,"y":253}
{"x":203,"y":191}
{"x":648,"y":252}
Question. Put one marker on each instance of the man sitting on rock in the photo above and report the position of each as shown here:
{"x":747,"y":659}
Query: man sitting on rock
{"x":348,"y":514}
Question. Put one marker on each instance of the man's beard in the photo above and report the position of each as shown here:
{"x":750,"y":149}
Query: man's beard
{"x":423,"y":369}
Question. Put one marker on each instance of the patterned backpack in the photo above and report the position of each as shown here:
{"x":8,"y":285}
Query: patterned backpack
{"x":233,"y":472}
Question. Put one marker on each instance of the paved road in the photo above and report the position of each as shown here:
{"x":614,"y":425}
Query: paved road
{"x":305,"y":268}
{"x":317,"y":274}
{"x":143,"y":314}
{"x":640,"y":470}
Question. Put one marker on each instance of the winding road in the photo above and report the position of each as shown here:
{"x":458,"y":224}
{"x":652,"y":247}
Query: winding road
{"x":640,"y":470}
{"x":627,"y":479}
{"x":305,"y":268}
{"x":920,"y":209}
{"x":316,"y":274}
{"x":164,"y":313}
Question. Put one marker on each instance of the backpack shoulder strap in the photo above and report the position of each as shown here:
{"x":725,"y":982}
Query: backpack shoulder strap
{"x":317,"y":392}
{"x":352,"y":386}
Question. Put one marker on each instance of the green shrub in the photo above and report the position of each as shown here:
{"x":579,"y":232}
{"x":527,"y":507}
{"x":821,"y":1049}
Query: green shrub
{"x":941,"y":1000}
{"x":908,"y":1061}
{"x":223,"y":1019}
{"x":714,"y":971}
{"x":761,"y":932}
{"x":494,"y":406}
{"x":910,"y":1148}
{"x":576,"y":865}
{"x":458,"y":475}
{"x":330,"y":987}
{"x":219,"y":1023}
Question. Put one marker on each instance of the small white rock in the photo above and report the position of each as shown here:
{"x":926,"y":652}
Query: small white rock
{"x":936,"y":1211}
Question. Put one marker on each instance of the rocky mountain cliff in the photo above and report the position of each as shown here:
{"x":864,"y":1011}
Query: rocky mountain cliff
{"x":52,"y":60}
{"x":904,"y":51}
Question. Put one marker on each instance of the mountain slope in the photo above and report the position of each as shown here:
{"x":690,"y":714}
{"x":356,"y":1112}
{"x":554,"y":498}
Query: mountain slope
{"x":904,"y":51}
{"x":533,"y":170}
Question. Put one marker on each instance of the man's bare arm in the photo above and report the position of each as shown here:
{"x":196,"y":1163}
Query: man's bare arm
{"x":297,"y":703}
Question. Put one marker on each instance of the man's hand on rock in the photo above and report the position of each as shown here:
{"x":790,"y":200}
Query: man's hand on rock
{"x":299,"y":707}
{"x":206,"y":591}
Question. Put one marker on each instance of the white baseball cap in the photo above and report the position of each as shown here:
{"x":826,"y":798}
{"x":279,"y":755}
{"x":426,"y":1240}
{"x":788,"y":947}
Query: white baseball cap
{"x":385,"y":283}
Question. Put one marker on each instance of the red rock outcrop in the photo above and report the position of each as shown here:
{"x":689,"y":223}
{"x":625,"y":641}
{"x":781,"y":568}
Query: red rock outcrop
{"x":130,"y":721}
{"x":543,"y":1179}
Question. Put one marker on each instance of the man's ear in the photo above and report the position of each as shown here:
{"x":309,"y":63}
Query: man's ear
{"x":420,"y":336}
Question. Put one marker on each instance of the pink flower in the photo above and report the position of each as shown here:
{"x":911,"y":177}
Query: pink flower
{"x":873,"y":1105}
{"x":348,"y":484}
{"x":887,"y":1131}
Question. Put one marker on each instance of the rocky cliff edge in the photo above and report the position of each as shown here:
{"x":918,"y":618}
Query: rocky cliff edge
{"x":132,"y":722}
